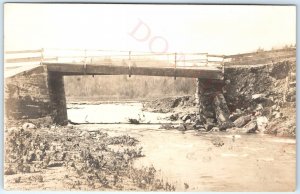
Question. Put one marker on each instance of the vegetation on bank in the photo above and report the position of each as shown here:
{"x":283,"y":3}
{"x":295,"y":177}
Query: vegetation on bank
{"x":88,"y":160}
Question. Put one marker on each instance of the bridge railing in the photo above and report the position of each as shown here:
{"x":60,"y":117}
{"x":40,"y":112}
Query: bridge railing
{"x":26,"y":58}
{"x":111,"y":57}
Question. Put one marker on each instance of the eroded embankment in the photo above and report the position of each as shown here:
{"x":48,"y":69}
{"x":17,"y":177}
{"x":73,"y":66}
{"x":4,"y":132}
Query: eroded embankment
{"x":260,"y":98}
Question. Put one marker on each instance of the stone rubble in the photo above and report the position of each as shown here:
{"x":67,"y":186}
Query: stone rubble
{"x":260,"y":99}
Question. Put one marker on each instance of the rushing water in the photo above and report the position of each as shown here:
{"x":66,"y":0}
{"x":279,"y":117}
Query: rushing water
{"x":244,"y":163}
{"x":113,"y":113}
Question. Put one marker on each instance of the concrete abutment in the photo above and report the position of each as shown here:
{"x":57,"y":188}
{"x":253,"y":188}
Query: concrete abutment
{"x":35,"y":94}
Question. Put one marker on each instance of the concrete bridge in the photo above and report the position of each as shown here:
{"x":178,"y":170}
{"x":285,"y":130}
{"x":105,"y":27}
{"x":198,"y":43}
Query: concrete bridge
{"x":34,"y":85}
{"x":100,"y":62}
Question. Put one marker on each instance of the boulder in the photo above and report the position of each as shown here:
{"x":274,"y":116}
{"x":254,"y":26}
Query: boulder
{"x":193,"y":117}
{"x":198,"y":126}
{"x":275,"y":107}
{"x":202,"y":129}
{"x":238,"y":111}
{"x":225,"y":125}
{"x":277,"y":115}
{"x":267,"y":111}
{"x":188,"y":121}
{"x":262,"y":122}
{"x":185,"y":117}
{"x":257,"y":113}
{"x":259,"y":107}
{"x":261,"y":98}
{"x":28,"y":126}
{"x":241,"y":121}
{"x":251,"y":127}
{"x":215,"y":129}
{"x":185,"y":127}
{"x":234,"y":116}
{"x":222,"y":112}
{"x":198,"y":122}
{"x":258,"y":96}
{"x":208,"y":126}
{"x":174,"y":117}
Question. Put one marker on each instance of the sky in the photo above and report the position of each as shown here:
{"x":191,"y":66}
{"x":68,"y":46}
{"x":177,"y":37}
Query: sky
{"x":216,"y":29}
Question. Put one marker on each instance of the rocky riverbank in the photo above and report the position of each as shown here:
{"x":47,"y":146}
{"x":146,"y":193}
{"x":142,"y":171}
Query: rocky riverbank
{"x":279,"y":120}
{"x":260,"y":99}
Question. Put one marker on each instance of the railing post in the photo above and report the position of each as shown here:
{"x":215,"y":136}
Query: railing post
{"x":129,"y":64}
{"x":129,"y":69}
{"x":223,"y":64}
{"x":84,"y":61}
{"x":175,"y":64}
{"x":42,"y":56}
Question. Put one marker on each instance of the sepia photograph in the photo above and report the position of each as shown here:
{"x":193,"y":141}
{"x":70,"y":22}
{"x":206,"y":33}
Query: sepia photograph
{"x":149,"y":97}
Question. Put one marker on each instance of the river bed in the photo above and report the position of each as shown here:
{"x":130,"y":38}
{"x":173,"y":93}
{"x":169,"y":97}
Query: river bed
{"x":190,"y":160}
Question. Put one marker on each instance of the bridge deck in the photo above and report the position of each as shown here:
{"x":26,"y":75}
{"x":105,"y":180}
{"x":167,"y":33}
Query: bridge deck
{"x":106,"y":69}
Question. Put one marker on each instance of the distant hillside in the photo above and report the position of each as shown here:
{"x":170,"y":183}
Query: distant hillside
{"x":261,"y":56}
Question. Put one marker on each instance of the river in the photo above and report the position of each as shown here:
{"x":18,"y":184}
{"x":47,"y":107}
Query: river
{"x":244,"y":163}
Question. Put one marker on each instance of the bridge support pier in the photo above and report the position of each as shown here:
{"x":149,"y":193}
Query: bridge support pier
{"x":57,"y":98}
{"x":212,"y":104}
